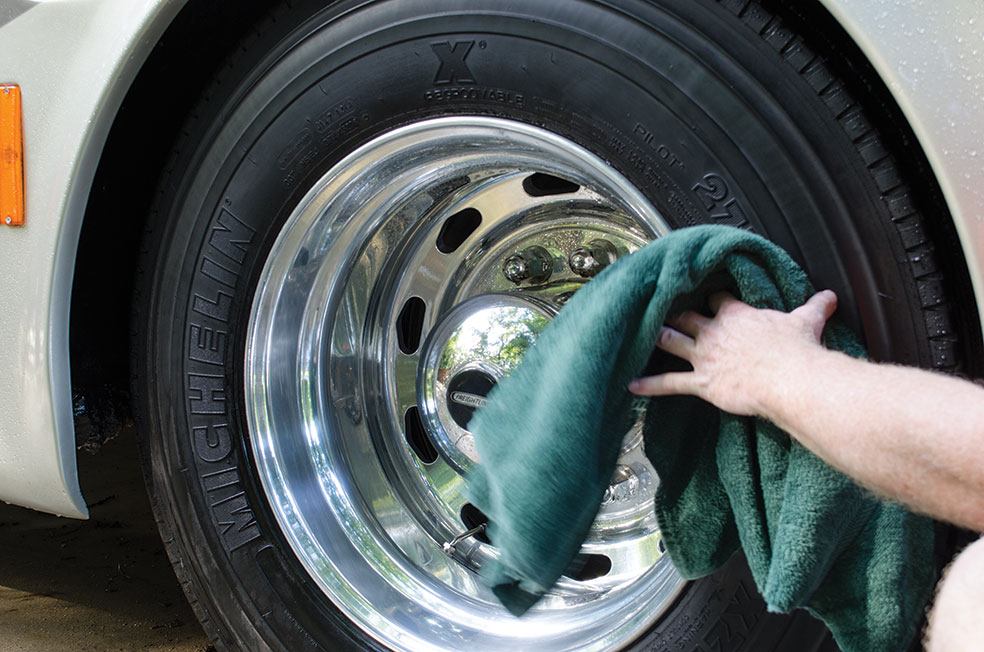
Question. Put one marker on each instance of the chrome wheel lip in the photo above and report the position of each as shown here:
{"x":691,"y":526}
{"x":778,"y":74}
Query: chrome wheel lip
{"x":347,"y":531}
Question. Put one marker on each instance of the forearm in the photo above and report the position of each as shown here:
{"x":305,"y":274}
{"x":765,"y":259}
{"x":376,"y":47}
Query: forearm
{"x":910,"y":434}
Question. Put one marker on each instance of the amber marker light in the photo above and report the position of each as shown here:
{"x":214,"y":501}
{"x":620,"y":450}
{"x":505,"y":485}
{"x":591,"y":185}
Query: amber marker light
{"x":11,"y":156}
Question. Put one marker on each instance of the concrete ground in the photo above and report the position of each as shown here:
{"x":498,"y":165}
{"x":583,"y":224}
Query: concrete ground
{"x":99,"y":585}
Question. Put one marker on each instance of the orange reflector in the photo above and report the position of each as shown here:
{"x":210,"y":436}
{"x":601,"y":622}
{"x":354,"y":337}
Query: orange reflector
{"x":11,"y":156}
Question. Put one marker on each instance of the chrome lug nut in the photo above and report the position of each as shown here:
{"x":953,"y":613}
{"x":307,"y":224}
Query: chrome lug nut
{"x":533,"y":264}
{"x":515,"y":268}
{"x":587,"y":260}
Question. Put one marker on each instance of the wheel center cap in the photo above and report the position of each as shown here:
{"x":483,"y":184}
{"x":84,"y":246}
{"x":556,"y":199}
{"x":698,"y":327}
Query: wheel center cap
{"x":474,"y":345}
{"x":467,"y":392}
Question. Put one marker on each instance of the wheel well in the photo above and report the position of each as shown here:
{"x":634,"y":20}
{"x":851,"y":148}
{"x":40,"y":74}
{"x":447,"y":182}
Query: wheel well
{"x":203,"y":37}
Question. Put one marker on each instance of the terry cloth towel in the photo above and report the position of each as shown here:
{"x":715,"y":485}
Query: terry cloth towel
{"x":550,"y":435}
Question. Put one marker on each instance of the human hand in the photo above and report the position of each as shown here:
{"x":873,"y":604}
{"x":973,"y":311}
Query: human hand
{"x":740,"y":354}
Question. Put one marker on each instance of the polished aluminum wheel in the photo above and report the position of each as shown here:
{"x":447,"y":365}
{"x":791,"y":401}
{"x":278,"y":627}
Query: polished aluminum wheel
{"x":408,"y":281}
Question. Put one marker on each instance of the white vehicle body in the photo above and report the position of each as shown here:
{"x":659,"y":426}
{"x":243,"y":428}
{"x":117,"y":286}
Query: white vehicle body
{"x":75,"y":60}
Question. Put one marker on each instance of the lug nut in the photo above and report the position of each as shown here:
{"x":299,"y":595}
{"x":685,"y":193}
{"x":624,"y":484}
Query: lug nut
{"x":533,"y":264}
{"x":587,"y":260}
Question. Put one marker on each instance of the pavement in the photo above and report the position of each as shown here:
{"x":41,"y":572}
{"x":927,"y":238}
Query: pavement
{"x":99,"y":585}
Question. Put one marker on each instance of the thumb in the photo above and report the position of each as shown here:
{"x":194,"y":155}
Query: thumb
{"x":817,"y":310}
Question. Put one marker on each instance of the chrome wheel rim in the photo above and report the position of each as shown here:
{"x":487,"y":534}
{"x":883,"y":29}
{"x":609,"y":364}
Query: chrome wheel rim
{"x":354,"y":353}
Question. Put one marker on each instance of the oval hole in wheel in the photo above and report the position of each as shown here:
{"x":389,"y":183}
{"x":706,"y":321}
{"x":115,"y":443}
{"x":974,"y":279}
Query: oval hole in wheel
{"x":589,"y":567}
{"x":542,"y":185}
{"x":472,"y":517}
{"x":417,"y":437}
{"x":457,"y":228}
{"x":410,"y":324}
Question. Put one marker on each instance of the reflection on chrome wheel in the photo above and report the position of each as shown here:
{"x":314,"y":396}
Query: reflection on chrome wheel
{"x":411,"y":278}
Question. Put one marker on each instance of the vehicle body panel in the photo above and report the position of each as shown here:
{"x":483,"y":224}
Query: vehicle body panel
{"x":75,"y":60}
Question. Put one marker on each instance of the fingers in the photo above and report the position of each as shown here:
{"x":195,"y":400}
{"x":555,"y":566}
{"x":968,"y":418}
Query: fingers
{"x":719,"y":300}
{"x":680,"y":382}
{"x":689,"y":323}
{"x":675,"y":342}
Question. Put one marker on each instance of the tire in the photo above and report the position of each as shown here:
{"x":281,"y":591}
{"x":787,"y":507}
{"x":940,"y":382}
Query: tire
{"x":286,"y":288}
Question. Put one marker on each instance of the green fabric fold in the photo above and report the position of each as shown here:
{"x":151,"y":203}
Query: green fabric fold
{"x":550,"y":435}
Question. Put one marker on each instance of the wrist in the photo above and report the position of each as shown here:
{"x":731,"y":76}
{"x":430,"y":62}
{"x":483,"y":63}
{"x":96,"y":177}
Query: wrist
{"x":787,"y":382}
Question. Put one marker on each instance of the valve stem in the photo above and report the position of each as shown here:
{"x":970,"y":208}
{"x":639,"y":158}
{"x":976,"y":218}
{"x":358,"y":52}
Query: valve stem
{"x":451,"y":546}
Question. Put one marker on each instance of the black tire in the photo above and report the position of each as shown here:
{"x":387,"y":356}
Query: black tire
{"x":717,"y":111}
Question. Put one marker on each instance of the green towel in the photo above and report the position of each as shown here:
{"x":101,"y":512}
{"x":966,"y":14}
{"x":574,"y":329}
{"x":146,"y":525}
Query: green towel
{"x":550,"y":435}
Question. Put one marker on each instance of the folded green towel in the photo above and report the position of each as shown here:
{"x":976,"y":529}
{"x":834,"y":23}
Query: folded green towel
{"x":812,"y":537}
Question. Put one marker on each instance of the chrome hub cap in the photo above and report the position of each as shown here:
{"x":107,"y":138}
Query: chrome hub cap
{"x":408,"y":281}
{"x":479,"y":342}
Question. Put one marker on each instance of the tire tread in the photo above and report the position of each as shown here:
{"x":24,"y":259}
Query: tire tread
{"x":881,"y":164}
